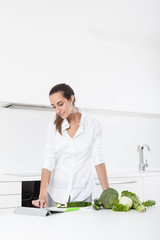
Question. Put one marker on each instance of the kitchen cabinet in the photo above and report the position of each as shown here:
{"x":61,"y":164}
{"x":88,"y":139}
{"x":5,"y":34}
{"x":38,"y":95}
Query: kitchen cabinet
{"x":133,"y":184}
{"x":144,"y":184}
{"x":12,"y":187}
{"x":151,"y":188}
{"x":10,"y":195}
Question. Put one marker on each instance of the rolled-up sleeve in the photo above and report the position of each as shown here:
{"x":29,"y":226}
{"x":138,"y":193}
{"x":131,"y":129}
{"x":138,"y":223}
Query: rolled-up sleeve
{"x":49,"y":153}
{"x":97,"y":150}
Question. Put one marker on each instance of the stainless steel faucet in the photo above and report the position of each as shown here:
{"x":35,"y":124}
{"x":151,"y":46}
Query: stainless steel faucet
{"x":142,"y":165}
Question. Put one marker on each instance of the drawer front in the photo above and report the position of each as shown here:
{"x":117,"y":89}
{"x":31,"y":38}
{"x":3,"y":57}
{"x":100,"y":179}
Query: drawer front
{"x":10,"y":188}
{"x":133,"y":184}
{"x":6,"y":210}
{"x":10,"y":201}
{"x":121,"y":184}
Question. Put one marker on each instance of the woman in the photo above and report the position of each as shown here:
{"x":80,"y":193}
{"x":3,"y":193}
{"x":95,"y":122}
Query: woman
{"x":73,"y":146}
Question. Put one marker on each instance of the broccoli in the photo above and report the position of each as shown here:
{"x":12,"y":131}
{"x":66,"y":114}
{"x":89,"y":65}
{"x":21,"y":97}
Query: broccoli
{"x":109,"y":198}
{"x":137,"y":205}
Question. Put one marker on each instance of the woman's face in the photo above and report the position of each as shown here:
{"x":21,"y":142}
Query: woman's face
{"x":62,"y":106}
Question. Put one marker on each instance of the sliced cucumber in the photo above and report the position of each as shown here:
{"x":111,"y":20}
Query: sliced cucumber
{"x":61,"y":205}
{"x":73,"y":204}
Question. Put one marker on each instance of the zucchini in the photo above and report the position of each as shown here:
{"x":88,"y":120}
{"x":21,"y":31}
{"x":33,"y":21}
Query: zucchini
{"x":73,"y":204}
{"x":96,"y":207}
{"x":97,"y":202}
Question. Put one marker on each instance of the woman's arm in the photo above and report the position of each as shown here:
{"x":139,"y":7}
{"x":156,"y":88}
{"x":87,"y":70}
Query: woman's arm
{"x":45,"y":178}
{"x":102,"y":175}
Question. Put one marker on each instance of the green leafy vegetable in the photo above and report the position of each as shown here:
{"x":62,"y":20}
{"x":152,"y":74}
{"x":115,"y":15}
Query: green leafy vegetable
{"x":126,"y":201}
{"x":109,"y":198}
{"x":149,"y":203}
{"x":137,"y":205}
{"x":121,"y":208}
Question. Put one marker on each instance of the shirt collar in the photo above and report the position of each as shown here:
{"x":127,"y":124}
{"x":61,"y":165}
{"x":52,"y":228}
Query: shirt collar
{"x":83,"y":121}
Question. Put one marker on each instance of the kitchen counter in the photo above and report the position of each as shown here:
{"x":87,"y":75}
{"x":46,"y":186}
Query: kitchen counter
{"x":37,"y":176}
{"x":83,"y":224}
{"x":18,"y":177}
{"x":135,"y":173}
{"x":13,"y":185}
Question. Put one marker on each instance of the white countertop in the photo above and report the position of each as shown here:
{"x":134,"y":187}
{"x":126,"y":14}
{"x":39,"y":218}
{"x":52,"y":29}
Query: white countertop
{"x":20,"y":177}
{"x":118,"y":174}
{"x":85,"y":224}
{"x":134,"y":173}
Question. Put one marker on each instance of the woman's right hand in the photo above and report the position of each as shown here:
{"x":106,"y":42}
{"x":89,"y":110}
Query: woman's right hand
{"x":41,"y":202}
{"x":45,"y":178}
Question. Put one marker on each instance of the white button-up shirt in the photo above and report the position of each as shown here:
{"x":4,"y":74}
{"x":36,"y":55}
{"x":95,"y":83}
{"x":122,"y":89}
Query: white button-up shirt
{"x":71,"y":160}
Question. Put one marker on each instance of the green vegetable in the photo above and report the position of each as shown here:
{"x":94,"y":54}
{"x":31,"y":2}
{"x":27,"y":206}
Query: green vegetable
{"x":97,"y":202}
{"x":109,"y":198}
{"x":124,"y":205}
{"x":121,"y":208}
{"x":96,"y":207}
{"x":137,"y":205}
{"x":149,"y":203}
{"x":126,"y":201}
{"x":73,"y":204}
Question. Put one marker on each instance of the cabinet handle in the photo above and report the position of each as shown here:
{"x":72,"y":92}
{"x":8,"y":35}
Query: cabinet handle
{"x":123,"y":182}
{"x":119,"y":182}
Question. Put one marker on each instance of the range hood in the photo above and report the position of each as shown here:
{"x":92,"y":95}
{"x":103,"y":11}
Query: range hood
{"x":25,"y":106}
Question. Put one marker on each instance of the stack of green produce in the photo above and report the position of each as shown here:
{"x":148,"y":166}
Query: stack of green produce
{"x":109,"y":199}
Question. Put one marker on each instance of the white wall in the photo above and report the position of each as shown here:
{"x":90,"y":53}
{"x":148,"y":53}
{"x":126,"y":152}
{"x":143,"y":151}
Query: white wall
{"x":22,"y":138}
{"x":108,"y":51}
{"x":122,"y":133}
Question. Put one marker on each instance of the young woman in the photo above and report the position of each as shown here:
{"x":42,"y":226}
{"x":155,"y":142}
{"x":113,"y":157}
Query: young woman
{"x":73,"y":147}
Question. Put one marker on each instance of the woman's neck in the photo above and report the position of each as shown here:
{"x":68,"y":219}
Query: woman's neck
{"x":74,"y":116}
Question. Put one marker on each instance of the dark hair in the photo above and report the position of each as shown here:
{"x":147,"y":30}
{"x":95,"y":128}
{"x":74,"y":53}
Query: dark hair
{"x":67,"y":92}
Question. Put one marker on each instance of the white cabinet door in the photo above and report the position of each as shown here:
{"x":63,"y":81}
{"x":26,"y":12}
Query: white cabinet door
{"x":6,"y":210}
{"x":10,"y":196}
{"x":151,"y":189}
{"x":133,"y":184}
{"x":10,"y":201}
{"x":10,"y":188}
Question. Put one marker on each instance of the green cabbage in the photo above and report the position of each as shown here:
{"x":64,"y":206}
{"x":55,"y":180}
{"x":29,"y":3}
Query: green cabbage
{"x":137,"y":205}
